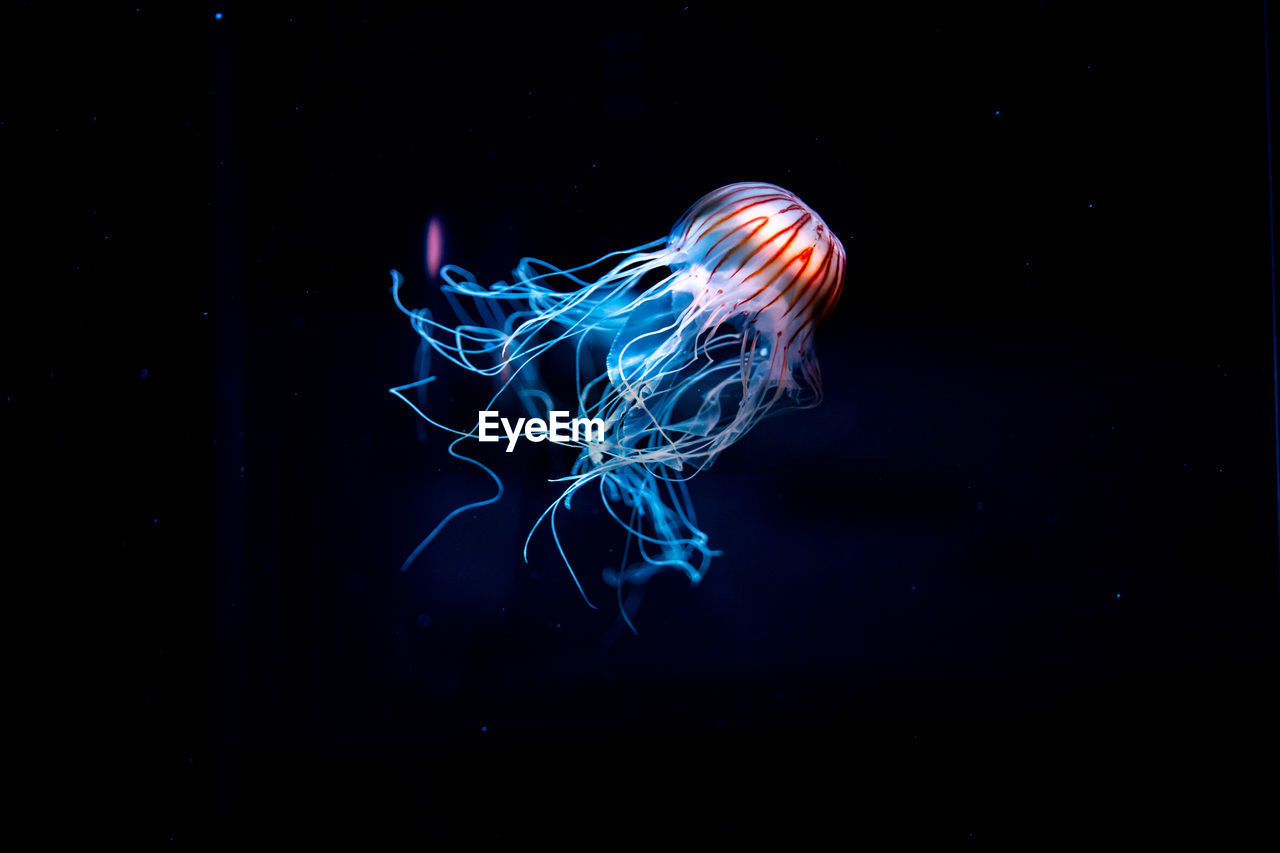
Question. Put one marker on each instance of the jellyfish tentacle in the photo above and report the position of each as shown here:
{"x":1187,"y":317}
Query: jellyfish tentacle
{"x":696,"y":357}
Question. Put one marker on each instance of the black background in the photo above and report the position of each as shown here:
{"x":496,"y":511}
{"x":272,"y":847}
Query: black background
{"x":1014,"y":580}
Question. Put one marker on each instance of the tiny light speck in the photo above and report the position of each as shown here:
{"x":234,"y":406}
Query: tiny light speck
{"x":484,"y":728}
{"x":217,"y":16}
{"x":143,"y":373}
{"x":1117,"y":595}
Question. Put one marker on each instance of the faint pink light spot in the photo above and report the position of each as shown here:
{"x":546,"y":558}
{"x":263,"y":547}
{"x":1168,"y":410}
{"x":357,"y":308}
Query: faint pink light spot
{"x":435,"y":245}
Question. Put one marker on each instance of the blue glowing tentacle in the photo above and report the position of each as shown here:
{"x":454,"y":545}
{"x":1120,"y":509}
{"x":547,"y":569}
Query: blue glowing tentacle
{"x":550,"y":510}
{"x":455,"y":454}
{"x":422,"y":370}
{"x":457,"y":307}
{"x":397,"y":280}
{"x":627,"y":272}
{"x":654,"y":390}
{"x":555,"y":535}
{"x":698,"y":542}
{"x":636,"y":391}
{"x":572,"y":321}
{"x":491,"y":313}
{"x":629,"y":252}
{"x":622,"y":564}
{"x":420,"y":383}
{"x":404,"y":567}
{"x":682,"y":505}
{"x":489,"y":341}
{"x":528,"y":395}
{"x":654,"y":564}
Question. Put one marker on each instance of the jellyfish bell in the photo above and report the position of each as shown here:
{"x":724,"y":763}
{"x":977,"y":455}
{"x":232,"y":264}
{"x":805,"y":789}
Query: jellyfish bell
{"x":690,"y":362}
{"x":753,"y":256}
{"x":758,"y":249}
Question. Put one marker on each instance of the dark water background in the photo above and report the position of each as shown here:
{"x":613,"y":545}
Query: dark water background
{"x":1015,"y":579}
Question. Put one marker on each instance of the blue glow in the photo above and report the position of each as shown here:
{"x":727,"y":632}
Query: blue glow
{"x":676,"y":377}
{"x":217,"y":16}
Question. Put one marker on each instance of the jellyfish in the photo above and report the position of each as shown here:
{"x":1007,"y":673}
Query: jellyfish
{"x":680,"y":346}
